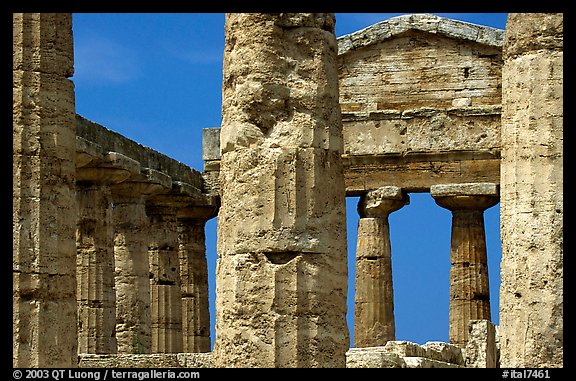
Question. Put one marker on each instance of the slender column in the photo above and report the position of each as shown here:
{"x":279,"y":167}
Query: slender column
{"x":165,"y":293}
{"x":282,"y":269}
{"x":374,"y":298}
{"x":44,"y":208}
{"x":469,"y":287}
{"x":532,"y":207}
{"x":95,"y":261}
{"x":194,"y":277}
{"x":133,"y":325}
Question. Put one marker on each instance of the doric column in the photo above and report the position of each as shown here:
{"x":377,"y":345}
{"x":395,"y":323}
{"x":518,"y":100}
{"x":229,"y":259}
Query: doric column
{"x":165,"y":293}
{"x":194,"y":277}
{"x":95,"y":260}
{"x":374,"y":298}
{"x":469,"y":287}
{"x":44,"y":207}
{"x":532,"y":206}
{"x":282,"y":270}
{"x":133,"y":325}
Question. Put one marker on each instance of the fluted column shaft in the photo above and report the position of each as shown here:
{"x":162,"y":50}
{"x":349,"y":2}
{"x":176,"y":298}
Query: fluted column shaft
{"x":374,"y":323}
{"x":165,"y":293}
{"x":194,"y":278}
{"x":95,"y":258}
{"x":532,"y":207}
{"x":282,"y":267}
{"x":133,"y":325}
{"x":44,"y":207}
{"x":469,"y":284}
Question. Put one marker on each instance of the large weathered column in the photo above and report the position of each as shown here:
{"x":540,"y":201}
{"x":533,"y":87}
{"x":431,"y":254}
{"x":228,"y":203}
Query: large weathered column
{"x":194,"y":277}
{"x":282,"y":271}
{"x":133,"y":324}
{"x":95,"y":245}
{"x":531,"y":210}
{"x":44,"y":208}
{"x":165,"y":293}
{"x":374,"y":297}
{"x":469,"y":284}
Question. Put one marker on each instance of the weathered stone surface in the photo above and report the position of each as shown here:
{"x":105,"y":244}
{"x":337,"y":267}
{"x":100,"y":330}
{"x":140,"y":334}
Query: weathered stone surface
{"x":469,"y":285}
{"x":44,"y":208}
{"x":468,"y":189}
{"x":405,"y":348}
{"x":481,"y":350}
{"x":528,"y":33}
{"x":211,"y":144}
{"x":373,"y":357}
{"x":374,"y":323}
{"x":422,"y":22}
{"x":194,"y":279}
{"x":111,"y":141}
{"x":423,"y":362}
{"x":531,"y":208}
{"x":445,"y":352}
{"x":165,"y":293}
{"x":281,"y":271}
{"x":95,"y":271}
{"x":405,"y":354}
{"x":159,"y":360}
{"x":424,"y":115}
{"x":132,"y":268}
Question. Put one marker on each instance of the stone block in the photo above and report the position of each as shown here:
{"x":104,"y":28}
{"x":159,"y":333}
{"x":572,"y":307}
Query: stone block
{"x":373,"y":357}
{"x":423,"y":362}
{"x":445,"y":352}
{"x":195,"y":360}
{"x":405,"y":349}
{"x":481,"y":350}
{"x":211,"y":143}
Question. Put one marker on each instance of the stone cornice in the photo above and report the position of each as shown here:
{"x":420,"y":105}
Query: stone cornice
{"x":421,"y":22}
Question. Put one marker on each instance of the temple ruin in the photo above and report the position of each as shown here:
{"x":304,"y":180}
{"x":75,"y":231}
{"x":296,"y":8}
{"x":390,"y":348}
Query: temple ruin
{"x":109,"y":257}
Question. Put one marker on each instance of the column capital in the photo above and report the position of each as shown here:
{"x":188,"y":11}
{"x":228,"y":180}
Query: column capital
{"x":379,"y":203}
{"x":466,"y":196}
{"x":145,"y":184}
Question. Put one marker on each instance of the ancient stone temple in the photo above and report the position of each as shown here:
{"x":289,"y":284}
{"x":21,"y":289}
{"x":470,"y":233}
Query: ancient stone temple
{"x":109,"y":255}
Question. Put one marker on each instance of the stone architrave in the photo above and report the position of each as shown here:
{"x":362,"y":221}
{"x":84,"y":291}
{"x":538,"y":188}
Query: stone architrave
{"x":469,"y":285}
{"x":282,"y":269}
{"x":374,"y":323}
{"x":132,"y":269}
{"x":44,"y":208}
{"x":95,"y":246}
{"x":532,"y":209}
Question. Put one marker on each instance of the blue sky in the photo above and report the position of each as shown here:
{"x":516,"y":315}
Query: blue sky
{"x":156,"y":79}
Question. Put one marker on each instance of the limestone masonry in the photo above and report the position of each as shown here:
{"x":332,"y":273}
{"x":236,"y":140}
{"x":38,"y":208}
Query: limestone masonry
{"x":109,"y":257}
